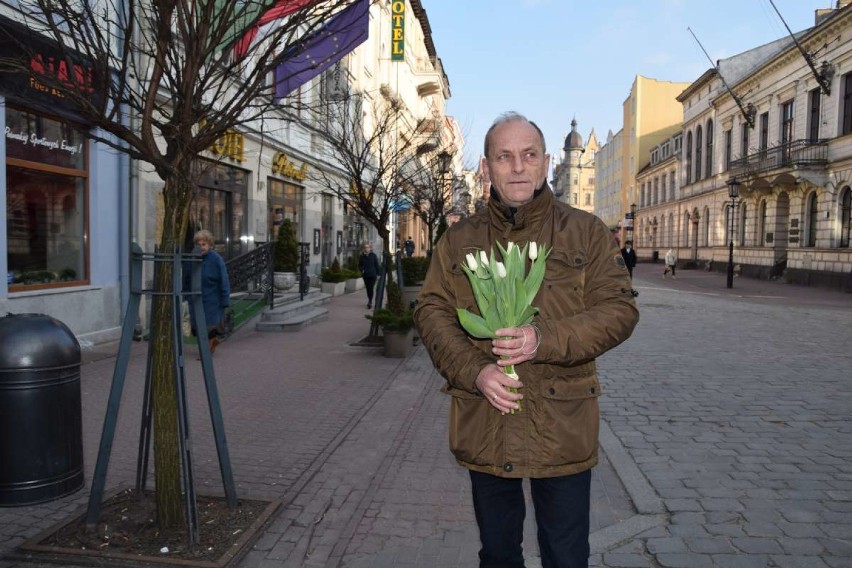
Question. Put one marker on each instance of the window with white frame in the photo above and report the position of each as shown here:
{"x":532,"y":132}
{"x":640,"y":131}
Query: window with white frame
{"x":698,"y":138}
{"x":814,"y":114}
{"x":708,"y":170}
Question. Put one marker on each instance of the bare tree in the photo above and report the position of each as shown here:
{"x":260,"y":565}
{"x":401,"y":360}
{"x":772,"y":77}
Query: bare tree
{"x":372,"y":144}
{"x":432,"y":192}
{"x":158,"y":80}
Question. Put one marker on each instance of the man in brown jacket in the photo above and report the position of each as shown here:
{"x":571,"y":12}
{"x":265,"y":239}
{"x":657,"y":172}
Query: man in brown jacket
{"x":585,"y":309}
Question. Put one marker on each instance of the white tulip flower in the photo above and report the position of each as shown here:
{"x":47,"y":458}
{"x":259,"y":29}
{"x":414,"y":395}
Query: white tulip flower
{"x":471,"y":261}
{"x":501,"y":270}
{"x":483,"y":258}
{"x":533,"y":250}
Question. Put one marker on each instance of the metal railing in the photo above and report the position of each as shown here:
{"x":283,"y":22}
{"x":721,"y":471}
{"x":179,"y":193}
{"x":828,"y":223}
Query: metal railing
{"x":792,"y":154}
{"x":252,"y":272}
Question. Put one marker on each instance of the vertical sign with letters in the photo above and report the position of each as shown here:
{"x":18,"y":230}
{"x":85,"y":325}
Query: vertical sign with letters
{"x":398,"y":30}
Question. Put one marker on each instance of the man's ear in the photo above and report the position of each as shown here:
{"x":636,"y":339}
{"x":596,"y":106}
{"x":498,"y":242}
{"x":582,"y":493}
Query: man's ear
{"x":483,"y":165}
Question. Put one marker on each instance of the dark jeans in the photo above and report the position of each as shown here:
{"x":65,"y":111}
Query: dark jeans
{"x":561,"y":512}
{"x":369,"y":284}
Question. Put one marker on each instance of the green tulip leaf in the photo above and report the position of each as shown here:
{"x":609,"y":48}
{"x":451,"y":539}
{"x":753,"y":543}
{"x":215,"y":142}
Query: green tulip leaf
{"x":474,"y":324}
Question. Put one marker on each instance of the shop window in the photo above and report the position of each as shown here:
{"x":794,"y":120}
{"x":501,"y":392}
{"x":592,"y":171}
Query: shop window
{"x":285,"y":202}
{"x":846,"y":218}
{"x":742,"y":227}
{"x":46,"y":202}
{"x":812,"y":220}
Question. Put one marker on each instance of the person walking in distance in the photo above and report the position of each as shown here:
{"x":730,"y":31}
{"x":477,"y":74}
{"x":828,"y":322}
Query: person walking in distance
{"x":409,"y":247}
{"x":215,"y":288}
{"x":629,"y":256}
{"x":671,"y":263}
{"x":585,"y":309}
{"x":368,"y":264}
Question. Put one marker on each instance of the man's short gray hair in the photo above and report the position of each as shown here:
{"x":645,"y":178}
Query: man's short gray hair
{"x":511,"y":116}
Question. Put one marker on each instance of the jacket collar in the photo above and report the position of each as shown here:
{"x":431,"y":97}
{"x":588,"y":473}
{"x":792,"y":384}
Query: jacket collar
{"x":528,"y":214}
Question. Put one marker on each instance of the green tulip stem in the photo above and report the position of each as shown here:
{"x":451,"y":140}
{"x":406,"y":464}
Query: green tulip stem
{"x":510,"y":370}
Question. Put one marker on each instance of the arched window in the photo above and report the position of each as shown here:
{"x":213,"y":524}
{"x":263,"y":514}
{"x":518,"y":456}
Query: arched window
{"x":742,"y":227}
{"x":761,"y":224}
{"x":688,"y":158}
{"x":698,"y":154}
{"x":663,"y":188}
{"x":812,"y":220}
{"x":708,"y":171}
{"x":846,"y":217}
{"x":662,"y":242}
{"x":705,"y":237}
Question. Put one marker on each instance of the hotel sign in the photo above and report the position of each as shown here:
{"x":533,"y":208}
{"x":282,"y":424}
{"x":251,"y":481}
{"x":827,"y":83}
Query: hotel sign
{"x":282,"y":166}
{"x":398,"y":30}
{"x":230,"y":145}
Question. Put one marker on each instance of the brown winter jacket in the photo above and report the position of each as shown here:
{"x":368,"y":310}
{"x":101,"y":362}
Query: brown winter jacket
{"x":586,"y":308}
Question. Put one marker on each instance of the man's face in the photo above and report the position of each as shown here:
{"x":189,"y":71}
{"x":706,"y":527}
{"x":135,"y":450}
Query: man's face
{"x":516,"y":164}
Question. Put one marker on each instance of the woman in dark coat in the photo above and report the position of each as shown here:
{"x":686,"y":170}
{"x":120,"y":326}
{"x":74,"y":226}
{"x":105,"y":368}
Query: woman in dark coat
{"x":215,"y":288}
{"x":368,"y":264}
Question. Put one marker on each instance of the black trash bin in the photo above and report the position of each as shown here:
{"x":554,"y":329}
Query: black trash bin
{"x":41,"y":435}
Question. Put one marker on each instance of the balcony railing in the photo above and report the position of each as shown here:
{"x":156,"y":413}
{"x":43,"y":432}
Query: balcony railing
{"x":793,"y":154}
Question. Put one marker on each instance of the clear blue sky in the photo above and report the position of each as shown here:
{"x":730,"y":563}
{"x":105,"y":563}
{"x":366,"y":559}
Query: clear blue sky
{"x":556,"y":59}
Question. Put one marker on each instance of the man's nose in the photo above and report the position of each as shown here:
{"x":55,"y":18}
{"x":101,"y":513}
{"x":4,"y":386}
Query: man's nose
{"x":517,"y":163}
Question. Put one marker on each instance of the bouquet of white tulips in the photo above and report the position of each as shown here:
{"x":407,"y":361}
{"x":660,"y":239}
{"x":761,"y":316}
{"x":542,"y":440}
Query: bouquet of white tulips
{"x":503,"y":290}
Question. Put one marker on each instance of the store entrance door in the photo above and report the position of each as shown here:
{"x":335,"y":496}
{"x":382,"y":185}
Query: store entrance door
{"x":219,"y":207}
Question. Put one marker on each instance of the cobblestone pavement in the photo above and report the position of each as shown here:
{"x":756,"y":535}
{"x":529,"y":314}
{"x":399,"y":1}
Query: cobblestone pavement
{"x":735,"y":406}
{"x":725,"y":438}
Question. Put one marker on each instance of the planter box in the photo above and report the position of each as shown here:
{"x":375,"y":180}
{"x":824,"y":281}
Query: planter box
{"x":398,"y":343}
{"x":334,"y":288}
{"x":284,"y":280}
{"x":354,"y":284}
{"x":409,"y":294}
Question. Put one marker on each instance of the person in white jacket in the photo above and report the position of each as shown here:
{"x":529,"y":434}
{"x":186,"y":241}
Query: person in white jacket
{"x":671,"y":263}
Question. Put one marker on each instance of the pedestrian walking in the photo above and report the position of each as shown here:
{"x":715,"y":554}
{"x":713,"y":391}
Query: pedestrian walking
{"x":629,"y":256}
{"x":671,"y":263}
{"x":215,"y":289}
{"x":584,"y":310}
{"x":368,"y":264}
{"x":409,"y":247}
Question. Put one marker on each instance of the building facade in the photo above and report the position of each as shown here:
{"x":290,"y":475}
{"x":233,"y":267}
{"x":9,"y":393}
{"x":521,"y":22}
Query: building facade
{"x":574,"y":175}
{"x":60,"y":254}
{"x":783,"y":135}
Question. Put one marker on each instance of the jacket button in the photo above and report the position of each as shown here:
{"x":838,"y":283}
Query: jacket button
{"x":507,"y":467}
{"x":551,"y":391}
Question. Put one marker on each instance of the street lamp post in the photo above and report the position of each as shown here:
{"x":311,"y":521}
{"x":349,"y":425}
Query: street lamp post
{"x":733,"y":193}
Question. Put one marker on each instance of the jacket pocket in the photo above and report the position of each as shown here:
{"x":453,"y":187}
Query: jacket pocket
{"x":569,"y":420}
{"x":473,"y":427}
{"x":565,"y":265}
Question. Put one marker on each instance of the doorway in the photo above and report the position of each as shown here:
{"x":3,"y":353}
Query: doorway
{"x":220,"y":207}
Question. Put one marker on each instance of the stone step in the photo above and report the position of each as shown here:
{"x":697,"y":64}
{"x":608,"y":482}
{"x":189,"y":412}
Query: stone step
{"x":294,"y":321}
{"x":291,"y":313}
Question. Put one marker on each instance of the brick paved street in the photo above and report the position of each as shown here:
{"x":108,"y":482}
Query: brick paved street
{"x":726,"y":438}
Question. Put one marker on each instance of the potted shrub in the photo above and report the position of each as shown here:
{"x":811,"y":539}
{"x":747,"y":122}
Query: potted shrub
{"x":286,"y":257}
{"x":413,"y":273}
{"x":333,"y":279}
{"x":354,"y":282}
{"x":396,"y":322}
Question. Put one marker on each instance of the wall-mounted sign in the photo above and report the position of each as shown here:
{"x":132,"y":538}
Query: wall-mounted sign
{"x":398,"y":30}
{"x":282,"y":166}
{"x":38,"y":75}
{"x":230,"y":145}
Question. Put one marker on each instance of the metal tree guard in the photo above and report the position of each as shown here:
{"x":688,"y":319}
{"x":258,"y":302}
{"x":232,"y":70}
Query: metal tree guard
{"x":130,"y":319}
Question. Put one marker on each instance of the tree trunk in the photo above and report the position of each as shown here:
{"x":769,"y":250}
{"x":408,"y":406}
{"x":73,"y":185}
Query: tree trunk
{"x":167,"y":470}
